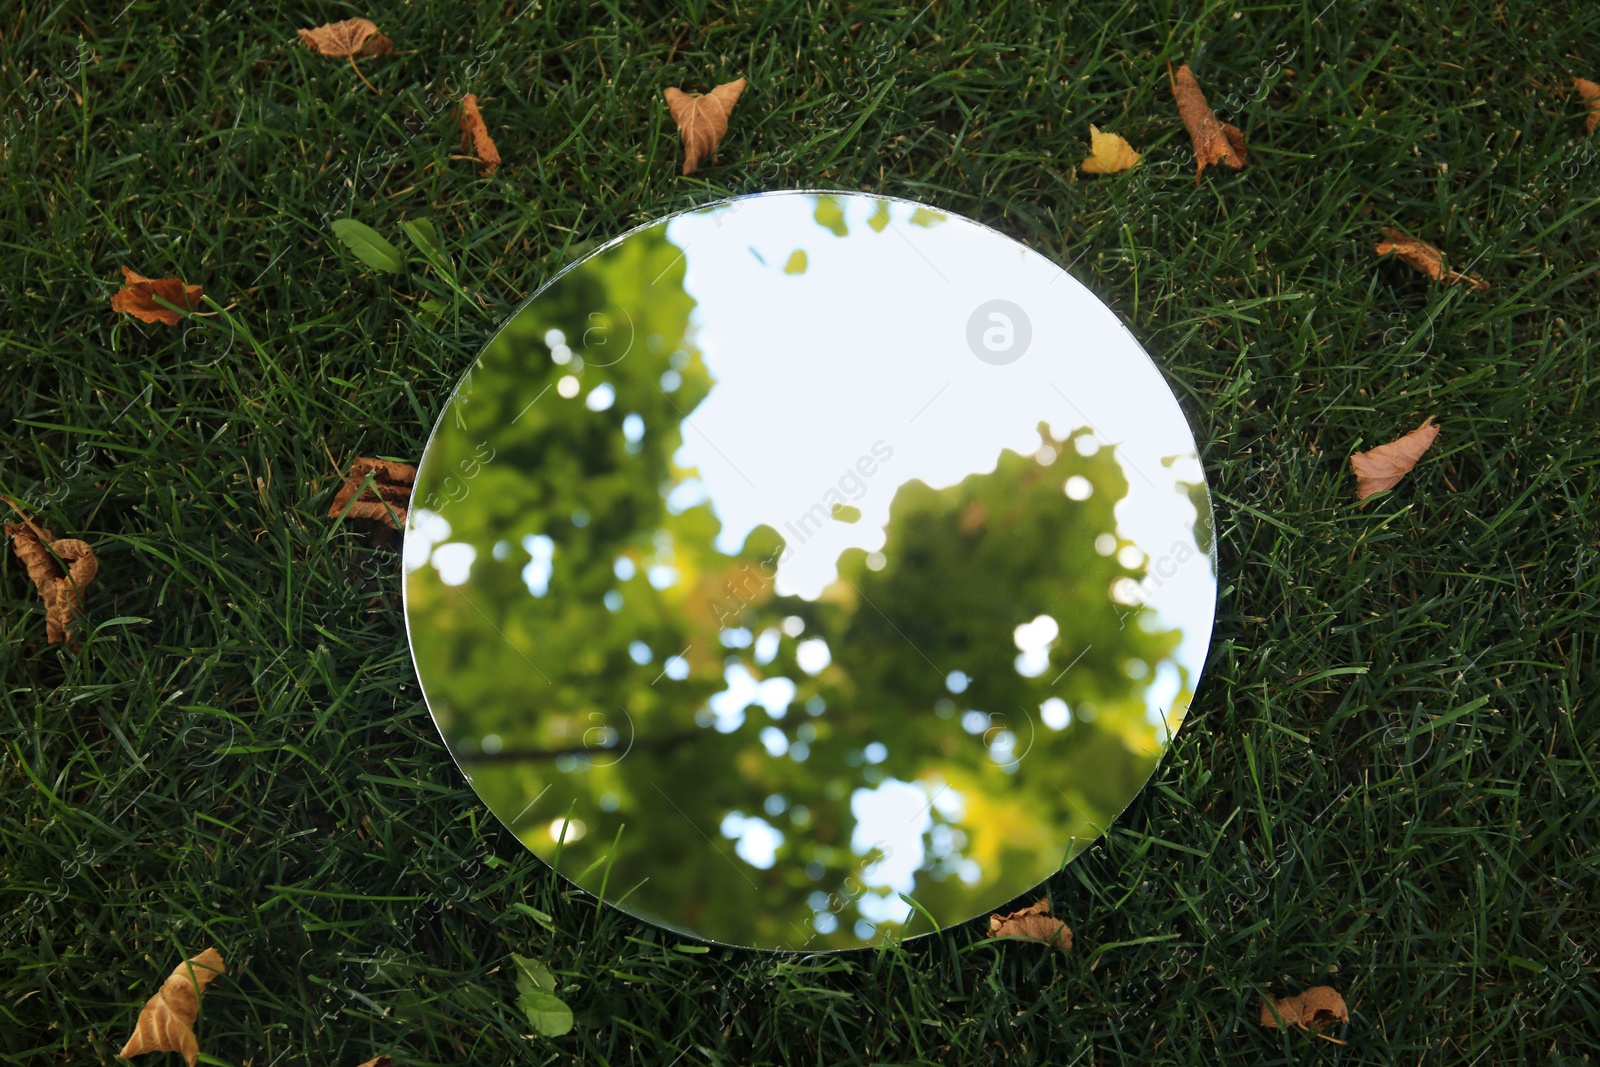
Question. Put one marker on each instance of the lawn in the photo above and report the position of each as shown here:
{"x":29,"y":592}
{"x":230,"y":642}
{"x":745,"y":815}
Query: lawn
{"x":1388,"y":781}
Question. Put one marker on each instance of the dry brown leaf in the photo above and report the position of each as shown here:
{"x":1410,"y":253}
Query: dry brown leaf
{"x":1109,"y":153}
{"x":135,"y":297}
{"x":1424,"y":257}
{"x":1590,"y":92}
{"x":352,"y":37}
{"x":1384,"y":466}
{"x":347,"y":40}
{"x":475,"y":135}
{"x":1033,"y":922}
{"x":1214,"y":141}
{"x":393,"y":482}
{"x":166,"y":1024}
{"x":1316,"y":1009}
{"x":380,"y":1061}
{"x":61,"y":589}
{"x":702,"y":120}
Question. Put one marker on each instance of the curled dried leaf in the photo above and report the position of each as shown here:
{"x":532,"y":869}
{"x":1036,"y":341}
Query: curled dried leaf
{"x":1034,"y":923}
{"x":1109,"y":153}
{"x":392,"y":482}
{"x":61,"y":577}
{"x":136,"y":297}
{"x":352,"y":37}
{"x":166,"y":1024}
{"x":475,"y":134}
{"x":1316,"y":1009}
{"x":1215,"y":141}
{"x":1382,"y":467}
{"x":1590,"y":93}
{"x":702,"y":120}
{"x":1424,"y":257}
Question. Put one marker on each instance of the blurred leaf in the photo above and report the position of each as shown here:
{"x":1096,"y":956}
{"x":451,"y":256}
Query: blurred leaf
{"x":368,"y":246}
{"x":797,"y":262}
{"x":830,"y":216}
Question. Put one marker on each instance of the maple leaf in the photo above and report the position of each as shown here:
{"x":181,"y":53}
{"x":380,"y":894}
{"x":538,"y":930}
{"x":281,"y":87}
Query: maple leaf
{"x":1382,"y":467}
{"x":1317,"y":1008}
{"x":475,"y":135}
{"x":1109,"y":153}
{"x":136,"y":297}
{"x":166,"y":1023}
{"x":1590,"y":93}
{"x":1214,"y":141}
{"x":1424,"y":257}
{"x":1034,"y":923}
{"x":347,"y":40}
{"x":702,"y":120}
{"x":60,"y":588}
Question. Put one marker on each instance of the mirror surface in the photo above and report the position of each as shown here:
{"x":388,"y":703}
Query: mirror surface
{"x":792,"y":555}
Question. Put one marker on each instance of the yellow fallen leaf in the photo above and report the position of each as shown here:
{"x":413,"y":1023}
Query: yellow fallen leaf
{"x":60,"y":587}
{"x":475,"y":134}
{"x":1109,"y":153}
{"x":349,"y":39}
{"x":1382,"y":467}
{"x":136,"y":297}
{"x":167,"y":1022}
{"x":1424,"y":257}
{"x":352,"y":37}
{"x":702,"y":120}
{"x":1590,"y":92}
{"x":1317,"y":1008}
{"x":1034,"y":923}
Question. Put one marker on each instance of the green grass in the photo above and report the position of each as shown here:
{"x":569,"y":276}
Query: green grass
{"x":1388,"y":783}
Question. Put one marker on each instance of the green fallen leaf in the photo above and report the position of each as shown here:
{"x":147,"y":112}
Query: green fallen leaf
{"x":369,"y":247}
{"x":535,"y":972}
{"x":846,"y":513}
{"x":546,"y":1012}
{"x":797,"y":262}
{"x":425,"y":236}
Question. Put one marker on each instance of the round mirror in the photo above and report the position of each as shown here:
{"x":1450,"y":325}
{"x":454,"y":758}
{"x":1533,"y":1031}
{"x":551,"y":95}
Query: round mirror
{"x":794,"y":558}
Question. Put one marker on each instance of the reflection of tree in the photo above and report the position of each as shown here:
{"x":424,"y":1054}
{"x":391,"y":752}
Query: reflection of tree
{"x":545,"y":699}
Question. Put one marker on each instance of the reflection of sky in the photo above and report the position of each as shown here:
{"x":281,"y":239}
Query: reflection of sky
{"x":868,"y":346}
{"x":845,"y":382}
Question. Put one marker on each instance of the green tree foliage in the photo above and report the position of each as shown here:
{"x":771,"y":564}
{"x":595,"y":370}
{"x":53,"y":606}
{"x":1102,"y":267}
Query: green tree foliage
{"x":532,"y":664}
